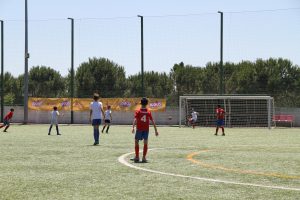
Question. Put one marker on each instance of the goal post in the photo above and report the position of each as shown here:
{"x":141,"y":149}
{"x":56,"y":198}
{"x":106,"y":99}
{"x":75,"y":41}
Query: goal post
{"x":241,"y":111}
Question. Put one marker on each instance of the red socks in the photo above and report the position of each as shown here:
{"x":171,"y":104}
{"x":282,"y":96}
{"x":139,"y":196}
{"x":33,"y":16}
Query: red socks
{"x":145,"y":150}
{"x":137,"y":150}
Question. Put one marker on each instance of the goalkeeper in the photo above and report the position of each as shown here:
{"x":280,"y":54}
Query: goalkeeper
{"x":193,"y":119}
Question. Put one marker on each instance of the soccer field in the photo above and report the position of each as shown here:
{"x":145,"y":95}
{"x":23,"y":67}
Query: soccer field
{"x":183,"y":164}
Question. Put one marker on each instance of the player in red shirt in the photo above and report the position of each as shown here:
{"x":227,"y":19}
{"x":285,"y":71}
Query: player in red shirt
{"x":6,"y":120}
{"x":220,"y":120}
{"x":142,"y":118}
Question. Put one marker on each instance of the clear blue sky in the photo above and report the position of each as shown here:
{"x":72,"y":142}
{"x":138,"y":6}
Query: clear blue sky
{"x":174,"y":31}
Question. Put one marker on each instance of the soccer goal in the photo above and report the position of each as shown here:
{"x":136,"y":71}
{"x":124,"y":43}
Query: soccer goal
{"x":241,"y":111}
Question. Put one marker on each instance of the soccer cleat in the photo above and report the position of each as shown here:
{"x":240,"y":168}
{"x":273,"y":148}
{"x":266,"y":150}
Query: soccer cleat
{"x":223,"y":134}
{"x":135,"y":159}
{"x":58,"y":134}
{"x":4,"y":131}
{"x":144,"y":160}
{"x":106,"y":132}
{"x":96,"y":143}
{"x":48,"y":133}
{"x":216,"y":134}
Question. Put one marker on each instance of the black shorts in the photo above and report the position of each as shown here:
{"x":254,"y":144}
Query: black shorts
{"x":107,"y":121}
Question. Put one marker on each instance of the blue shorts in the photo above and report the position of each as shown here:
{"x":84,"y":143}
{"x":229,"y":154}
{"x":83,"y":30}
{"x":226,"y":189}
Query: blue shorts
{"x":141,"y":135}
{"x":96,"y":122}
{"x":220,"y":122}
{"x":6,"y":122}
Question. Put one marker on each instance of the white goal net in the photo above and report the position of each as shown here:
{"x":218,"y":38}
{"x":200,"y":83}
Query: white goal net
{"x":241,"y":111}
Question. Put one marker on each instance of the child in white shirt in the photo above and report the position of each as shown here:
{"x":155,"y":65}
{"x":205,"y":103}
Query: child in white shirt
{"x":54,"y":120}
{"x":108,"y":119}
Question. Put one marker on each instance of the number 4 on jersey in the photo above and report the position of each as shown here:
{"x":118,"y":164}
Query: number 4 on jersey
{"x":144,"y":119}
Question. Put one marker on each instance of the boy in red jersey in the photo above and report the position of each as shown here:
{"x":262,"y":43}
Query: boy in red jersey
{"x":7,"y":118}
{"x":141,"y":119}
{"x":220,"y":120}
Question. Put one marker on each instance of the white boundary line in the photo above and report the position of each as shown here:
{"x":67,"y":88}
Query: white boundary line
{"x":122,"y":159}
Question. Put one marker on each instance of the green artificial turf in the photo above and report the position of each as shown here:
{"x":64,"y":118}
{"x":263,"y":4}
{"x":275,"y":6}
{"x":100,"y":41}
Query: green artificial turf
{"x":34,"y":165}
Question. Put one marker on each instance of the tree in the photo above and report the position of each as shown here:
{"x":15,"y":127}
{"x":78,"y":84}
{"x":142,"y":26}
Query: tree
{"x":283,"y":82}
{"x":19,"y":98}
{"x":45,"y":82}
{"x":275,"y":77}
{"x":100,"y":74}
{"x":157,"y":85}
{"x":211,"y":79}
{"x":10,"y":87}
{"x":278,"y":78}
{"x":186,"y":80}
{"x":241,"y":78}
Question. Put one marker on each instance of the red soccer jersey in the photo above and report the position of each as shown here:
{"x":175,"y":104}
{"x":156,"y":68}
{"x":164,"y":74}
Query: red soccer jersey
{"x":9,"y":116}
{"x":220,"y":113}
{"x":143,"y":117}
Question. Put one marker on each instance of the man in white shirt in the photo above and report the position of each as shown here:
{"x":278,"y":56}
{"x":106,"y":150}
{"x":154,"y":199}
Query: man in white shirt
{"x":96,"y":114}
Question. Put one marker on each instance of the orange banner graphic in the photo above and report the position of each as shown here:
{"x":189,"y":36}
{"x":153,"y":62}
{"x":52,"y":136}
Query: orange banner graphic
{"x":83,"y":104}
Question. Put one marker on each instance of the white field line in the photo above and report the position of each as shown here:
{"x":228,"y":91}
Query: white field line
{"x":122,"y":159}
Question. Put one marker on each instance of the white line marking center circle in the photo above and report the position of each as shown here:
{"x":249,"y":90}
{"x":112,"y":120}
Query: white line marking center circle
{"x":122,"y":160}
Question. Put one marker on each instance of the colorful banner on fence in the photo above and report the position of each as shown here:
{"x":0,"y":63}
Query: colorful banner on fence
{"x":83,"y":104}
